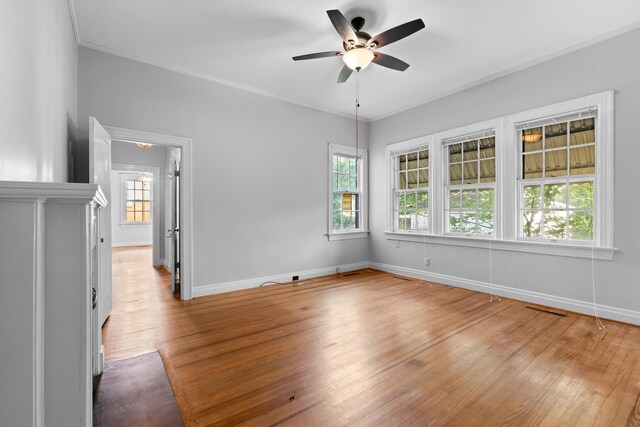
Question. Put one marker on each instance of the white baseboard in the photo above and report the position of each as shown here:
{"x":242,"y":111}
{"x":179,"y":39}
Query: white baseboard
{"x":217,"y":288}
{"x":584,"y":307}
{"x":122,"y":244}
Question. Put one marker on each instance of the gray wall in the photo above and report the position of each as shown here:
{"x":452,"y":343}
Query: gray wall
{"x":260,"y":165}
{"x":38,"y":83}
{"x":612,"y":64}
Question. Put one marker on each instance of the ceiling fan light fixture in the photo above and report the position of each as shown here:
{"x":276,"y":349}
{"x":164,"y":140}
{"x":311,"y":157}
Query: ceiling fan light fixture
{"x":358,"y":58}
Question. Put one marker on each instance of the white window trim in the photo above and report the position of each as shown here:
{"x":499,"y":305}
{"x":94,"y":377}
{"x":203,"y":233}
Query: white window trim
{"x":363,"y":231}
{"x":124,"y":177}
{"x":507,"y":184}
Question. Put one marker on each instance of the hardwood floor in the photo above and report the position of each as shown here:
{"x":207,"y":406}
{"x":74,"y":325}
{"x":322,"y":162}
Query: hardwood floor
{"x":373,"y":349}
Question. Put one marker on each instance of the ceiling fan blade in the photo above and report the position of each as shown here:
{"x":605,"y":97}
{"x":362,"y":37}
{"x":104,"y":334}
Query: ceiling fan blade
{"x":397,"y":33}
{"x":343,"y":27}
{"x":316,"y":55}
{"x":390,"y":62}
{"x":344,"y":74}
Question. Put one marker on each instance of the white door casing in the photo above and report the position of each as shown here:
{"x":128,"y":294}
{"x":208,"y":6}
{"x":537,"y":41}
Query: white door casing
{"x":100,"y":173}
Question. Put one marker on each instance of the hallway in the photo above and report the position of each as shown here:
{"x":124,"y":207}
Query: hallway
{"x":141,"y":294}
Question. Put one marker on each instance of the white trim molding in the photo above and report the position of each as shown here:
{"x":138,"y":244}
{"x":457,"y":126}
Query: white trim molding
{"x":237,"y":285}
{"x":584,"y":307}
{"x":186,"y":178}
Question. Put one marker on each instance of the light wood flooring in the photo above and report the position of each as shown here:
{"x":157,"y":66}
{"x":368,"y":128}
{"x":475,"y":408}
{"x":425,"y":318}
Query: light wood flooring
{"x":372,"y":349}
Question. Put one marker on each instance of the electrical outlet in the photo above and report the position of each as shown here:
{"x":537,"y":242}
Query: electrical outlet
{"x":427,"y":262}
{"x":294,"y":278}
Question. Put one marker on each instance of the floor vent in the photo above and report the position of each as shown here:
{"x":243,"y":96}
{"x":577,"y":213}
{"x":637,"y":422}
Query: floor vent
{"x":548,"y":310}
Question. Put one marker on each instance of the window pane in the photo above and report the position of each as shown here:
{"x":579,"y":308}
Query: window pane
{"x":336,"y":221}
{"x":470,"y":172}
{"x":130,"y":217}
{"x":410,"y":200}
{"x":470,"y":150}
{"x":138,"y":216}
{"x":146,"y":216}
{"x":582,"y":131}
{"x":581,"y":225}
{"x":336,"y":181}
{"x":138,"y":206}
{"x":335,"y":163}
{"x":469,"y":199}
{"x":130,"y":185}
{"x":469,"y":222}
{"x":412,"y":179}
{"x":487,"y":147}
{"x":402,"y":159}
{"x":531,"y":140}
{"x":146,"y":206}
{"x":455,"y":153}
{"x":555,"y":196}
{"x":352,"y":167}
{"x":488,"y":170}
{"x":455,"y":174}
{"x":581,"y":195}
{"x":138,"y":185}
{"x":532,"y":166}
{"x":485,"y":222}
{"x":129,"y":206}
{"x":347,"y":221}
{"x":485,"y":199}
{"x":555,"y":224}
{"x":454,"y":222}
{"x":344,"y":165}
{"x":423,"y":201}
{"x":454,"y":199}
{"x":402,"y":204}
{"x":423,"y":178}
{"x":531,"y":223}
{"x":424,"y":158}
{"x":130,"y":195}
{"x":337,"y":202}
{"x":412,"y":160}
{"x":403,"y":180}
{"x":344,"y":182}
{"x":353,"y":183}
{"x":531,"y":197}
{"x":146,"y":185}
{"x":583,"y":160}
{"x":146,"y":195}
{"x":555,"y":163}
{"x":555,"y":136}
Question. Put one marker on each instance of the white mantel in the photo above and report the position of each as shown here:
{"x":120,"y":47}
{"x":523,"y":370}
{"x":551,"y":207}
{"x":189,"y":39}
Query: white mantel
{"x":45,"y":302}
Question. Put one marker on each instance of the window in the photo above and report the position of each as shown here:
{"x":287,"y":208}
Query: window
{"x":347,"y":204}
{"x":471,"y":167}
{"x":411,"y":190}
{"x":538,"y":181}
{"x":137,"y":196}
{"x":557,"y":178}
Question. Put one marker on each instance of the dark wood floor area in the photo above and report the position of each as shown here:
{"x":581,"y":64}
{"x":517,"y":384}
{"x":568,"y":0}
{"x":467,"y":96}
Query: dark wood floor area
{"x":371,"y":349}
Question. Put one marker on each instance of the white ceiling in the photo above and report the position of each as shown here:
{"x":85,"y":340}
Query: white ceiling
{"x":249,"y":43}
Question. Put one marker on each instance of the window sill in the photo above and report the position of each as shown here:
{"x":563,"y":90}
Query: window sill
{"x":559,"y":249}
{"x":135,"y":224}
{"x":348,"y":235}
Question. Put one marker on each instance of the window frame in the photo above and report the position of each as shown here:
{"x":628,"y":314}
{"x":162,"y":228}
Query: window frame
{"x":507,"y":185}
{"x":128,"y":176}
{"x":477,"y":186}
{"x":362,"y":171}
{"x":399,"y":151}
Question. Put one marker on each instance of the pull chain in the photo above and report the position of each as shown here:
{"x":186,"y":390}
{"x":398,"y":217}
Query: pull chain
{"x":357,"y":110}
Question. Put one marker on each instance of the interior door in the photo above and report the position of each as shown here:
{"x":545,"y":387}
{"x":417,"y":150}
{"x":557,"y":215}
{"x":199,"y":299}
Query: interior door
{"x":175,"y":227}
{"x":100,"y":173}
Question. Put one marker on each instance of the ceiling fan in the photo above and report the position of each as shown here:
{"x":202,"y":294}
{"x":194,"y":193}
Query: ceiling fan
{"x":360,"y":49}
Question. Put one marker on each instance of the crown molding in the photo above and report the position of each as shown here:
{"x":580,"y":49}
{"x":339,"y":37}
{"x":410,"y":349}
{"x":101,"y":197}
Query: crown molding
{"x":74,"y":20}
{"x":202,"y":76}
